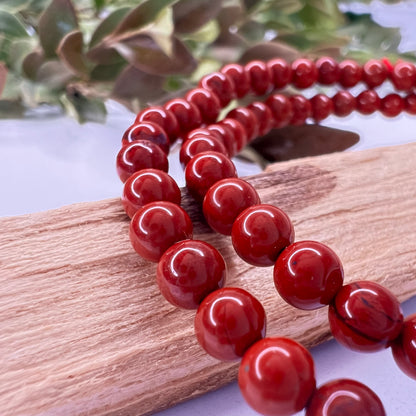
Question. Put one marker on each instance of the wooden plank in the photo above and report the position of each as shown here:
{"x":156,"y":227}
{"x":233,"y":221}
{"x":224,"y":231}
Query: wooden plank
{"x":85,"y":331}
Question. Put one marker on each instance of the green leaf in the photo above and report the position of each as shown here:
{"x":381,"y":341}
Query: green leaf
{"x":99,"y":4}
{"x":54,"y":74}
{"x":269,"y":50}
{"x":14,"y":6}
{"x":84,"y":109}
{"x":19,"y":49}
{"x":321,"y":14}
{"x":71,"y":52}
{"x":11,"y":26}
{"x":106,"y":73}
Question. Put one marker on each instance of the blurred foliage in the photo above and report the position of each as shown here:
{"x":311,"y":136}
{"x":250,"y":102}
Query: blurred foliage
{"x":78,"y":53}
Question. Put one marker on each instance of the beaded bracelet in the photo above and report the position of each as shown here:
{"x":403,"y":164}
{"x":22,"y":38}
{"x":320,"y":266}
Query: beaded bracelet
{"x":276,"y":374}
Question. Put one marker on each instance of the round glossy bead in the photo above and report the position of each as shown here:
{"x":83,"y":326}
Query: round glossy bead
{"x":392,"y":105}
{"x":308,"y":275}
{"x":374,"y":73}
{"x":404,"y":348}
{"x":240,"y":78}
{"x":276,"y":377}
{"x":148,"y":185}
{"x":410,"y":103}
{"x":248,"y":120}
{"x":146,"y":130}
{"x":350,"y":73}
{"x":157,"y":226}
{"x":403,"y":76}
{"x":260,"y":76}
{"x":302,"y":110}
{"x":322,"y":107}
{"x":189,"y":271}
{"x":207,"y":102}
{"x":280,"y":71}
{"x":239,"y":135}
{"x":365,"y":316}
{"x":140,"y":154}
{"x":260,"y":233}
{"x":225,"y":200}
{"x":222,"y":85}
{"x":228,"y":322}
{"x":187,"y":114}
{"x":328,"y":70}
{"x":263,"y":115}
{"x":344,"y":103}
{"x":368,"y":102}
{"x":281,"y":109}
{"x":201,"y":131}
{"x":344,"y":397}
{"x":304,"y":73}
{"x":226,"y":135}
{"x":204,"y":170}
{"x":198,"y":144}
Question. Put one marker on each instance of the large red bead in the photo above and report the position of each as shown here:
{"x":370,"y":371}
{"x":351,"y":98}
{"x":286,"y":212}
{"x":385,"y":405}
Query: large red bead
{"x":392,"y":105}
{"x":263,"y":115}
{"x":149,"y":185}
{"x":350,"y":73}
{"x":308,"y":275}
{"x":187,"y":114}
{"x":260,"y":233}
{"x":157,"y":226}
{"x":374,"y":73}
{"x":276,"y":377}
{"x":404,"y":347}
{"x":226,"y":134}
{"x":225,"y":200}
{"x":344,"y":103}
{"x":198,"y":144}
{"x":281,"y":108}
{"x":207,"y":102}
{"x":280,"y":71}
{"x":205,"y":169}
{"x":365,"y":316}
{"x":221,"y":84}
{"x":248,"y":120}
{"x":322,"y":107}
{"x":368,"y":102}
{"x":328,"y":70}
{"x":304,"y":73}
{"x":140,"y":154}
{"x":344,"y":397}
{"x":240,"y":136}
{"x":302,"y":110}
{"x":240,"y":78}
{"x":228,"y":322}
{"x":260,"y":76}
{"x":403,"y":76}
{"x":201,"y":131}
{"x":189,"y":271}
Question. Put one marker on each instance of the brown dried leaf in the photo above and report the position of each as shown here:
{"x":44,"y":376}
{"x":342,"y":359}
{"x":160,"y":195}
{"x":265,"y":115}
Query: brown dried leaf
{"x":71,"y":52}
{"x":270,"y":50}
{"x":32,"y":62}
{"x":3,"y":76}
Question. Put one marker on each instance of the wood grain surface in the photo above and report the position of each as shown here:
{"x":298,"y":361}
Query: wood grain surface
{"x":84,"y":330}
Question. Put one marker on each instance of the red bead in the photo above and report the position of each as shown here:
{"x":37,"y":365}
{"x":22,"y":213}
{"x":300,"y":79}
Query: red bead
{"x":404,"y":348}
{"x":374,"y":73}
{"x":146,"y":130}
{"x":240,"y":78}
{"x":410,"y":103}
{"x":207,"y":102}
{"x":248,"y":120}
{"x":157,"y":226}
{"x":281,"y":109}
{"x":350,"y":73}
{"x":344,"y":398}
{"x":204,"y":170}
{"x":200,"y":144}
{"x":189,"y":271}
{"x":187,"y":114}
{"x":392,"y":105}
{"x":276,"y":377}
{"x":239,"y":135}
{"x":281,"y":72}
{"x":222,"y":85}
{"x":138,"y":155}
{"x":344,"y":103}
{"x":308,"y":275}
{"x":149,"y":185}
{"x":226,"y":135}
{"x":260,"y":76}
{"x":302,"y":109}
{"x":328,"y":70}
{"x":228,"y":322}
{"x":365,"y":316}
{"x":202,"y":131}
{"x":225,"y":200}
{"x":304,"y":73}
{"x":368,"y":102}
{"x":322,"y":107}
{"x":403,"y":76}
{"x":164,"y":118}
{"x":264,"y":116}
{"x":260,"y":233}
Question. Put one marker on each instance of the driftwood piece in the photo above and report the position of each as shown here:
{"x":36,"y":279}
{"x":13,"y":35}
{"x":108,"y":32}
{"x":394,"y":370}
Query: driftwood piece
{"x":84,"y":330}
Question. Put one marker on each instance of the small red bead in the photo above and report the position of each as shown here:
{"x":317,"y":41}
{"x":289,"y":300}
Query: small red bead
{"x":302,"y":110}
{"x":344,"y":103}
{"x":368,"y":102}
{"x":146,"y":130}
{"x":240,"y":78}
{"x":277,"y":377}
{"x":374,"y":73}
{"x":189,"y":271}
{"x":281,"y":72}
{"x":239,"y":135}
{"x":222,"y":85}
{"x":308,"y":275}
{"x":207,"y":102}
{"x":365,"y":316}
{"x":248,"y":120}
{"x":392,"y":105}
{"x":225,"y":200}
{"x":148,"y":185}
{"x":156,"y":227}
{"x":260,"y":76}
{"x":304,"y":73}
{"x":281,"y":109}
{"x":328,"y":70}
{"x":404,"y":347}
{"x":202,"y":131}
{"x":200,"y":144}
{"x":350,"y":73}
{"x":226,"y":134}
{"x":187,"y":114}
{"x":322,"y":107}
{"x":410,"y":103}
{"x":344,"y":398}
{"x":138,"y":155}
{"x":260,"y":233}
{"x":403,"y":76}
{"x":263,"y":115}
{"x":205,"y":169}
{"x":228,"y":322}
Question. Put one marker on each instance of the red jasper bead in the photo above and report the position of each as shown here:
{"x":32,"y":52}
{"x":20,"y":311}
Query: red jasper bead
{"x":280,"y":71}
{"x":302,"y":109}
{"x":225,"y":200}
{"x":350,"y":73}
{"x":199,"y":144}
{"x":260,"y":76}
{"x":205,"y":169}
{"x":365,"y":316}
{"x":207,"y":102}
{"x":276,"y":377}
{"x":248,"y":120}
{"x":403,"y":76}
{"x":304,"y":73}
{"x":410,"y":103}
{"x":228,"y":322}
{"x":146,"y":130}
{"x":222,"y":85}
{"x":308,"y":275}
{"x":240,"y":78}
{"x":187,"y":114}
{"x":164,"y":118}
{"x":344,"y":103}
{"x":322,"y":107}
{"x":368,"y":102}
{"x":374,"y":73}
{"x":263,"y":115}
{"x":202,"y":131}
{"x":226,"y":134}
{"x":239,"y":135}
{"x":148,"y":185}
{"x":404,"y":347}
{"x":392,"y":105}
{"x":140,"y":154}
{"x":189,"y":271}
{"x":260,"y":233}
{"x":157,"y":226}
{"x":281,"y":109}
{"x":344,"y":397}
{"x":328,"y":70}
